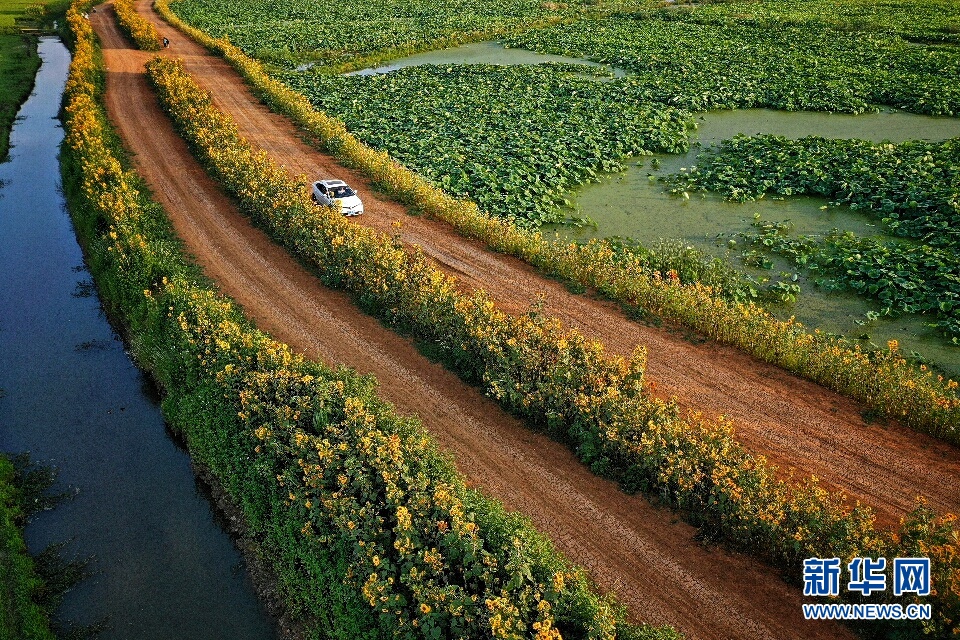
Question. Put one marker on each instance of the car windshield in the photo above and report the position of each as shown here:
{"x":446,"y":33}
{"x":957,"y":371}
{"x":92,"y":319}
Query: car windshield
{"x":341,"y":192}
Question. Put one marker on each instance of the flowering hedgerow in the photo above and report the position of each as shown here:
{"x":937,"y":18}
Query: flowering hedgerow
{"x":367,"y":527}
{"x":556,"y":380}
{"x":137,"y":28}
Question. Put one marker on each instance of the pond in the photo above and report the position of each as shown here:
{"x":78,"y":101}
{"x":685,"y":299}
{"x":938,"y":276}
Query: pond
{"x":481,"y":53}
{"x":72,"y":397}
{"x":635,"y":204}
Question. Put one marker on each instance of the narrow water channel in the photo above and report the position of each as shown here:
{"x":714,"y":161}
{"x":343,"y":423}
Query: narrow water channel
{"x":73,"y":398}
{"x":488,"y":52}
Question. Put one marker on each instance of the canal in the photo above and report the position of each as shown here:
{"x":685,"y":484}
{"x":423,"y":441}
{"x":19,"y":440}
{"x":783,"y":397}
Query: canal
{"x":164,"y":567}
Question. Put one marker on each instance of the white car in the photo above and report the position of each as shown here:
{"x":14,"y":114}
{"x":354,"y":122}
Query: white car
{"x":336,"y":192}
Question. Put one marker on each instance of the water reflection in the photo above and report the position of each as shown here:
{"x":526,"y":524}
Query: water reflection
{"x":74,"y":399}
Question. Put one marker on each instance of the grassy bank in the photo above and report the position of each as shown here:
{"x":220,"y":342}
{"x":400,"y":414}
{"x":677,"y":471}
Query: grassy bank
{"x":18,"y":65}
{"x":23,"y":614}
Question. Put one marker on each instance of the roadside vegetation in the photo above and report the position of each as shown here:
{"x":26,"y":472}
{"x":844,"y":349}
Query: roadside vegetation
{"x":551,"y":379}
{"x":136,"y":27}
{"x":370,"y":531}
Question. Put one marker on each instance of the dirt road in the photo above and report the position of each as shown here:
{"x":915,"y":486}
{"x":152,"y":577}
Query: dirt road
{"x":651,"y":562}
{"x":796,"y":424}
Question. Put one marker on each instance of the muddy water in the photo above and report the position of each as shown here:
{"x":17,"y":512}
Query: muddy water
{"x":73,"y":398}
{"x":481,"y":53}
{"x":634,"y":204}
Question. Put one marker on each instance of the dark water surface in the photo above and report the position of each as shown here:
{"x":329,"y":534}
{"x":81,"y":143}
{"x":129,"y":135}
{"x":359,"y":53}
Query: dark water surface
{"x":73,"y":398}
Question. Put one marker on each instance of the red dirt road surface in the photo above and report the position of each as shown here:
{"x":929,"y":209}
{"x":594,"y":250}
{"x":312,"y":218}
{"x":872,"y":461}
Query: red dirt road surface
{"x":796,"y":424}
{"x":649,"y":561}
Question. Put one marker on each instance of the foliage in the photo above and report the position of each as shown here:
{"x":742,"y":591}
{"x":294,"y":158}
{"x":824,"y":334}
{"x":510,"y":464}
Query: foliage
{"x":355,"y":34}
{"x":140,"y":30}
{"x":551,"y":379}
{"x":901,"y":277}
{"x":924,"y":21}
{"x":912,"y":188}
{"x":705,"y":61}
{"x":884,"y":381}
{"x":514,"y":138}
{"x":21,"y":614}
{"x":370,"y":531}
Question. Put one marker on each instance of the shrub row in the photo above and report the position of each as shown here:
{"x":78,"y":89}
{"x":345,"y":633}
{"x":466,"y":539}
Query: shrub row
{"x":135,"y":26}
{"x":535,"y":370}
{"x":884,"y":381}
{"x":370,"y":531}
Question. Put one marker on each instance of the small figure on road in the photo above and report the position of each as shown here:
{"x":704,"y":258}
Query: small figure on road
{"x":166,"y":43}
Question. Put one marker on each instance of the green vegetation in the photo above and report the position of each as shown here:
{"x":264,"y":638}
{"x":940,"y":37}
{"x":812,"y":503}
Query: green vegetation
{"x":25,"y":602}
{"x":690,"y":463}
{"x":370,"y":531}
{"x":514,"y":139}
{"x":689,"y":60}
{"x":912,"y":188}
{"x":354,"y":34}
{"x":136,"y":27}
{"x":923,"y":21}
{"x":903,"y":278}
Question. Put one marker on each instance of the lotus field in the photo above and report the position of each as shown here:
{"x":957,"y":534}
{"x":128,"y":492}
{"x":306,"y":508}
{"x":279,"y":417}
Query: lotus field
{"x":347,"y":34}
{"x":912,"y":189}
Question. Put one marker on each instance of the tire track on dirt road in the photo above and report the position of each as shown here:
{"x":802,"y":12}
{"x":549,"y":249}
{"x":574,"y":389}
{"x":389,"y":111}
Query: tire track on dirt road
{"x":652,"y":563}
{"x":796,"y":424}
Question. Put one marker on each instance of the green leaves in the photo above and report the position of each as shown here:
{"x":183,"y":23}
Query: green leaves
{"x":293,"y":32}
{"x":706,"y":59}
{"x":513,"y":139}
